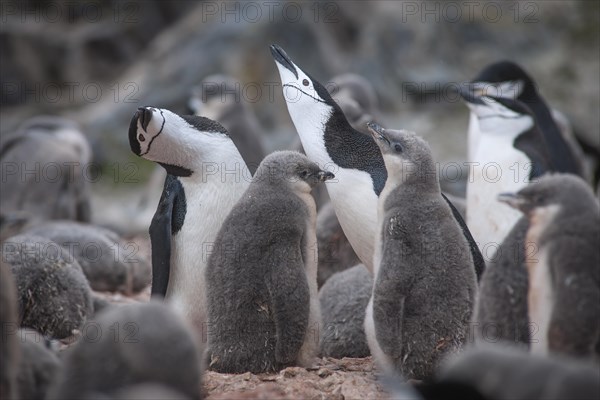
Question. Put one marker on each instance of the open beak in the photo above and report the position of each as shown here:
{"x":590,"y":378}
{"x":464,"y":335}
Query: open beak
{"x":377,"y":131}
{"x":283,"y":59}
{"x":512,"y":199}
{"x":325,"y":176}
{"x":470,"y":93}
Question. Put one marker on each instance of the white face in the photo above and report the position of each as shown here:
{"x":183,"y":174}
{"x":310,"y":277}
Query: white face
{"x":507,"y":90}
{"x":308,"y":110}
{"x":168,"y":138}
{"x":494,"y":117}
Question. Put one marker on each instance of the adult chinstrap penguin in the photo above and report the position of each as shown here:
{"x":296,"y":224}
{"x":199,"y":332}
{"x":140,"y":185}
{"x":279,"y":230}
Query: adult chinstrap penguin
{"x":206,"y":177}
{"x":506,"y":79}
{"x":510,"y":153}
{"x":329,"y":140}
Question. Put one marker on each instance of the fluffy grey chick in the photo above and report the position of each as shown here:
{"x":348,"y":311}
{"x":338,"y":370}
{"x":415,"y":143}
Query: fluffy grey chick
{"x":45,"y":162}
{"x":109,"y":263}
{"x":263,"y":307}
{"x":501,"y":307}
{"x":9,"y":344}
{"x":425,"y":281}
{"x":39,"y":366}
{"x":335,"y":251}
{"x":219,"y":97}
{"x":344,"y":298}
{"x":508,"y":373}
{"x":54,"y":296}
{"x":134,"y":344}
{"x":564,"y":269}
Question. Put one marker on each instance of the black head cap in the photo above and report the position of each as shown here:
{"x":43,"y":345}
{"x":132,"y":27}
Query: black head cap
{"x":504,"y":71}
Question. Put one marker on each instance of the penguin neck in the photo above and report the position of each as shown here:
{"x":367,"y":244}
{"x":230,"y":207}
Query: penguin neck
{"x":405,"y":187}
{"x":327,"y":136}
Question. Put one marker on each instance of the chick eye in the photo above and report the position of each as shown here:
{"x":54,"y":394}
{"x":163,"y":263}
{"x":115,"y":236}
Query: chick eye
{"x":398,"y":148}
{"x":304,"y":174}
{"x":305,"y":82}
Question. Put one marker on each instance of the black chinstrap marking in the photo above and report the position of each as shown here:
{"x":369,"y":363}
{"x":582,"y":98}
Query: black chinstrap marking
{"x":157,"y":135}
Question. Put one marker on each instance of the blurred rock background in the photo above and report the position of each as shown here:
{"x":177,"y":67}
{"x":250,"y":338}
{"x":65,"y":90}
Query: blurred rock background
{"x":97,"y":61}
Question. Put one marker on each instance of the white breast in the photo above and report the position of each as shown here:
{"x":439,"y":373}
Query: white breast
{"x":498,"y":167}
{"x":355,"y":205}
{"x":208,"y":204}
{"x":473,"y":136}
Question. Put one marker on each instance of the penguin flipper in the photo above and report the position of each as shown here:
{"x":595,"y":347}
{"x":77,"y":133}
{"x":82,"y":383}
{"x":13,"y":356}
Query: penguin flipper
{"x":160,"y":236}
{"x":290,"y":300}
{"x":478,"y":260}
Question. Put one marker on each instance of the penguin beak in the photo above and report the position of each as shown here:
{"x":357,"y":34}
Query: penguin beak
{"x":325,"y":176}
{"x":377,"y":131}
{"x":470,"y":93}
{"x":283,"y":59}
{"x":514,"y":200}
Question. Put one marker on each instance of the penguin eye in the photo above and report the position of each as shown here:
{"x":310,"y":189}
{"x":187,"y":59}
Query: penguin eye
{"x":141,"y":138}
{"x":398,"y":148}
{"x":305,"y":82}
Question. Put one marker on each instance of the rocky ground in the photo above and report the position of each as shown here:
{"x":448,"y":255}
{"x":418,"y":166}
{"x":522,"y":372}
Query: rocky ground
{"x":348,"y":378}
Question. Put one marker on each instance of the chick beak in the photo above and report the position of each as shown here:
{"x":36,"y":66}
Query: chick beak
{"x":325,"y":176}
{"x":378,"y":132}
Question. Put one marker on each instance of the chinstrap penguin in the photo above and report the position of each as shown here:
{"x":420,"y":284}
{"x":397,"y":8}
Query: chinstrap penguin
{"x":357,"y":100}
{"x":425,"y":282}
{"x":330,"y":141}
{"x":206,"y":177}
{"x":505,"y":79}
{"x":219,"y":97}
{"x":39,"y":366}
{"x":510,"y":153}
{"x":262,"y":274}
{"x":335,"y":252}
{"x":564,"y":269}
{"x":501,"y":313}
{"x":9,"y":343}
{"x":344,"y":298}
{"x":54,"y":295}
{"x":506,"y":373}
{"x":44,"y":166}
{"x":108,"y":262}
{"x":128,"y":345}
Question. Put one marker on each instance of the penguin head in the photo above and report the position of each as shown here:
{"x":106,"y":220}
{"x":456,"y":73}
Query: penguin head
{"x":407,"y":157}
{"x":550,"y":190}
{"x":217,"y":97}
{"x":309,"y":103}
{"x":502,"y":79}
{"x":499,"y":115}
{"x":291,"y":169}
{"x":180,"y":143}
